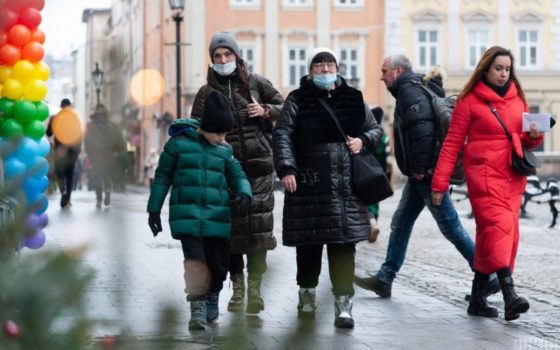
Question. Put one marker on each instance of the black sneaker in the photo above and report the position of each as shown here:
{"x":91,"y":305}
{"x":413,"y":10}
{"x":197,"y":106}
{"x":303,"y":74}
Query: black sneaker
{"x":375,"y":285}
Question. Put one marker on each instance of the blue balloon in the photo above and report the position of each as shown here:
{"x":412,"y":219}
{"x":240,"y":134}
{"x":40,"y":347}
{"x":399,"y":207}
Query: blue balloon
{"x":42,"y":183}
{"x":13,"y":168}
{"x":43,"y":147}
{"x":40,"y":167}
{"x":27,"y":148}
{"x":41,"y":204}
{"x":30,"y":190}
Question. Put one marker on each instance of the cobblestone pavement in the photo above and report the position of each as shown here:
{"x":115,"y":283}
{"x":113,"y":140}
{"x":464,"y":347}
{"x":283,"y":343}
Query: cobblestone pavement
{"x":138,"y":289}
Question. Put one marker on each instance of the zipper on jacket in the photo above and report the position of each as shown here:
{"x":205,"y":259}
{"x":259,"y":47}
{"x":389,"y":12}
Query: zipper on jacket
{"x":341,"y":189}
{"x":203,"y":189}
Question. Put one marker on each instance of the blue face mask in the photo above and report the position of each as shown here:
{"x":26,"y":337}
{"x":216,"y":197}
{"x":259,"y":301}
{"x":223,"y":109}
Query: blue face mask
{"x":324,"y":81}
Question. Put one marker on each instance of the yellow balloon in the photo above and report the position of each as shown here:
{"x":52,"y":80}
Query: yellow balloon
{"x":12,"y":89}
{"x":5,"y":73}
{"x":42,"y":71}
{"x":35,"y":90}
{"x":23,"y":71}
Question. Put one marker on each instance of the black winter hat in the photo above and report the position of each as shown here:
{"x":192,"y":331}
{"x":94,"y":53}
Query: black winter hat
{"x":217,"y":116}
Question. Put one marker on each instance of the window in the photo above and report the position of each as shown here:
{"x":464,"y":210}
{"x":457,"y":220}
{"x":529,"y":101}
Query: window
{"x":349,"y":63}
{"x":248,"y":55}
{"x":297,"y":65}
{"x":477,"y":43}
{"x":427,"y":48}
{"x":348,"y":3}
{"x":528,"y":48}
{"x":244,"y":2}
{"x":297,"y":3}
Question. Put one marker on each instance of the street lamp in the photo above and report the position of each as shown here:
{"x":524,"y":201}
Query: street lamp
{"x":97,"y":75}
{"x":177,"y":6}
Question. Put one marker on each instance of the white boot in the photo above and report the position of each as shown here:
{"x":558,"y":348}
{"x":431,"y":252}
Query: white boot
{"x":374,"y":230}
{"x":306,"y":306}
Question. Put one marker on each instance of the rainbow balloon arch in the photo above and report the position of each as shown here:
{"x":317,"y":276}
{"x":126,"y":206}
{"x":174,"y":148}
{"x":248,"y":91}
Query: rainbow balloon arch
{"x":23,"y":113}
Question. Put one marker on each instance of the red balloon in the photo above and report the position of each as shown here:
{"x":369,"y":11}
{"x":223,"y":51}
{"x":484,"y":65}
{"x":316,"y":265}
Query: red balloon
{"x":32,"y":51}
{"x":36,"y":4}
{"x":3,"y":37}
{"x":38,"y":35}
{"x":7,"y":19}
{"x":31,"y":18}
{"x":9,"y":54}
{"x":16,"y":5}
{"x":19,"y":35}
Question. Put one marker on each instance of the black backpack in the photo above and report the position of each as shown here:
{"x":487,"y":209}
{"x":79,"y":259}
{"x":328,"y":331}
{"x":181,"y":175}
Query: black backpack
{"x":442,"y":109}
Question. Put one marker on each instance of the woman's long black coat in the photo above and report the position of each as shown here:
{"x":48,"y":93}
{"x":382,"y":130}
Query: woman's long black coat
{"x":306,"y":143}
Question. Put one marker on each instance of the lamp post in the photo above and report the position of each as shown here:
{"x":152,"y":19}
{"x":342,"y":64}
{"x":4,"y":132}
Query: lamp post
{"x":97,"y":75}
{"x":177,"y":6}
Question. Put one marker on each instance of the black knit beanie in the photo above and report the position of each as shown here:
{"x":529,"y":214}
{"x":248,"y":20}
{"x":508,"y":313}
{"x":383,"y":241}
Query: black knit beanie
{"x":217,"y":116}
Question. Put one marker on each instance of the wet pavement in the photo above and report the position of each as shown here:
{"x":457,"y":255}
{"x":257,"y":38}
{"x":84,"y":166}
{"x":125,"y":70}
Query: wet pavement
{"x":137,"y":293}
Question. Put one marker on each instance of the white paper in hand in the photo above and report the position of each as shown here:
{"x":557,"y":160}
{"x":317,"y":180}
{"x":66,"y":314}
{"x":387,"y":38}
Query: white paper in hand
{"x":542,"y":120}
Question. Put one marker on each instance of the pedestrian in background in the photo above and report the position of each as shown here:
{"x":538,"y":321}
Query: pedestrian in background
{"x":415,"y":137}
{"x":150,"y":165}
{"x":255,"y":103}
{"x":103,"y":142}
{"x":200,"y":169}
{"x":313,"y":160}
{"x":495,"y":190}
{"x":65,"y":156}
{"x":382,"y":154}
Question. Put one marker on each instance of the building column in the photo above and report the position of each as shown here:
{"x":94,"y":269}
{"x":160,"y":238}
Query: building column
{"x":272,"y":56}
{"x":323,"y":23}
{"x":197,"y":51}
{"x":453,"y":35}
{"x":503,"y":23}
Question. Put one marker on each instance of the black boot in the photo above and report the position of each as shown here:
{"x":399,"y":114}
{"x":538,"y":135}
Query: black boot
{"x":514,"y":304}
{"x":478,"y":305}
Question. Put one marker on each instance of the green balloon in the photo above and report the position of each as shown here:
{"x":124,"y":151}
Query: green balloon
{"x":6,"y":107}
{"x":34,"y":129}
{"x":10,"y":128}
{"x":42,"y":110}
{"x":24,"y":111}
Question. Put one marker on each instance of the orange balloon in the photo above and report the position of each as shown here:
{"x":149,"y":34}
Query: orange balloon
{"x":9,"y":54}
{"x":38,"y":35}
{"x":19,"y":35}
{"x":66,"y":127}
{"x":33,"y":51}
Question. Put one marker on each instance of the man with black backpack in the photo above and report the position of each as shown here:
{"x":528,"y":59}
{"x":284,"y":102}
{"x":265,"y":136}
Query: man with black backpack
{"x":415,"y":133}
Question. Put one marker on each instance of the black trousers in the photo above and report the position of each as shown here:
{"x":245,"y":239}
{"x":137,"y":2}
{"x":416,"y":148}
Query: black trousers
{"x":256,"y":264}
{"x":341,"y":266}
{"x":64,"y":164}
{"x":214,"y":253}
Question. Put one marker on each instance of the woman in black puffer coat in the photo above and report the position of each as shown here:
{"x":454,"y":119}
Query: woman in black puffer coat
{"x":255,"y":104}
{"x":313,"y":161}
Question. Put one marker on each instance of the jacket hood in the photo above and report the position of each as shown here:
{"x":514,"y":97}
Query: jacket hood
{"x":433,"y":79}
{"x":183,"y":126}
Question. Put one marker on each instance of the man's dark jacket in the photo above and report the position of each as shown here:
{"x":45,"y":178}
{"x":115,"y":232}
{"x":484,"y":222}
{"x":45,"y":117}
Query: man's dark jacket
{"x":414,"y":122}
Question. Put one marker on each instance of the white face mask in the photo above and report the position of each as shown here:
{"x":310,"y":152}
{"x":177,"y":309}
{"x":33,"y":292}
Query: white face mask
{"x":225,"y":69}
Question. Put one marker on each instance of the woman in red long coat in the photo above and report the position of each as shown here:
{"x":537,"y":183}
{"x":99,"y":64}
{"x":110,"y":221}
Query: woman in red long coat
{"x":495,"y":191}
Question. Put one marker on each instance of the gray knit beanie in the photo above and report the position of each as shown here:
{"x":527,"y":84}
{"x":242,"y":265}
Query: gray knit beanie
{"x":223,"y":39}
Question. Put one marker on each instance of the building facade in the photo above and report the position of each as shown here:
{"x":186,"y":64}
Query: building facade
{"x":453,"y":34}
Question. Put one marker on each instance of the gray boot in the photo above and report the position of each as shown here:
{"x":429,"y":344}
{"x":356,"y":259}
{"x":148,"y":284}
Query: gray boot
{"x":237,"y":299}
{"x":198,"y":315}
{"x":255,"y":303}
{"x":212,"y":307}
{"x":343,"y":312}
{"x":306,"y":306}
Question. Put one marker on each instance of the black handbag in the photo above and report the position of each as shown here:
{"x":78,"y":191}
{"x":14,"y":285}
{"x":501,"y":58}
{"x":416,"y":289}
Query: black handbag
{"x":524,"y":166}
{"x":370,"y":183}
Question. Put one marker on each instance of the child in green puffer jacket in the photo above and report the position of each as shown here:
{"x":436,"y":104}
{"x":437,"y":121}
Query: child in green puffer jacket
{"x":200,"y":169}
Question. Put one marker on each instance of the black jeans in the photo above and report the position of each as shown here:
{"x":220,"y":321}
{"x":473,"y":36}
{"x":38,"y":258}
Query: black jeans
{"x":341,"y":266}
{"x":214,"y":252}
{"x":256,"y":264}
{"x":64,"y":163}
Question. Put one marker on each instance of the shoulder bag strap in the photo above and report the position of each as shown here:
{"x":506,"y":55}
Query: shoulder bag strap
{"x":333,"y":116}
{"x":495,"y":112}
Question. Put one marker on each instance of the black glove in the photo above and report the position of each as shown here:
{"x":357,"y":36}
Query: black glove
{"x":155,"y":223}
{"x":242,"y":203}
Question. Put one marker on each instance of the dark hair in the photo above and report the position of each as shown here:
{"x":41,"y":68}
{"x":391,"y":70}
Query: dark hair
{"x":483,"y":67}
{"x":65,"y":103}
{"x":243,"y":76}
{"x":323,"y":57}
{"x":377,"y":113}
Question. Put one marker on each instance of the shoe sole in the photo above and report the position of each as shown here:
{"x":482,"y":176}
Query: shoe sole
{"x":344,"y":323}
{"x":235,"y":308}
{"x":197,"y":326}
{"x":490,"y":313}
{"x":381,"y":294}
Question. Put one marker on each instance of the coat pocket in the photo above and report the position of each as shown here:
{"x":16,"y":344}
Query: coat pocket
{"x":477,"y":180}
